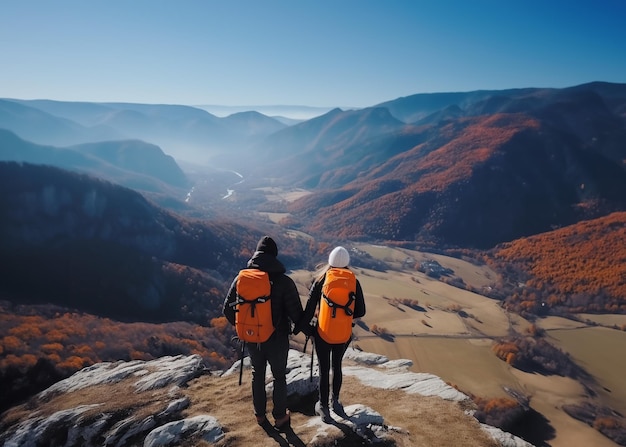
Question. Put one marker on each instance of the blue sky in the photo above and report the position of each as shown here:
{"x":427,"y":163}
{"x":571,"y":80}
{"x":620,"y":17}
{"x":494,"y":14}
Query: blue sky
{"x":346,"y":53}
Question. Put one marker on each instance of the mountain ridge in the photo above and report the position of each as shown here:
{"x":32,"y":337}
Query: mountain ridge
{"x":131,"y":163}
{"x":435,"y":172}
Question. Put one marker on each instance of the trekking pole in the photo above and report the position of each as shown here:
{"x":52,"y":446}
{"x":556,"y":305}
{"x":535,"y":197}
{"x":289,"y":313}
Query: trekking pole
{"x":243,"y":347}
{"x":313,"y":323}
{"x":312,"y":355}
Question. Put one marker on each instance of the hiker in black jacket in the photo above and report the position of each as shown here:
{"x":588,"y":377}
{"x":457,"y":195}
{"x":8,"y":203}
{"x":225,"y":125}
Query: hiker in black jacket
{"x":286,"y":308}
{"x":329,"y":354}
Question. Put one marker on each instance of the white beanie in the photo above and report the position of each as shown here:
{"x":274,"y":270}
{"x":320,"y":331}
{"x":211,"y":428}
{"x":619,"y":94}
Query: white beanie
{"x":339,"y":257}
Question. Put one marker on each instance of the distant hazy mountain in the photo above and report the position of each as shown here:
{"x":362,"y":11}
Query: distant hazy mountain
{"x":37,"y":125}
{"x":256,"y":125}
{"x":411,"y":109}
{"x":298,"y":113}
{"x":138,"y":157}
{"x":134,"y":164}
{"x":426,"y":107}
{"x":333,"y":142}
{"x":186,"y":133}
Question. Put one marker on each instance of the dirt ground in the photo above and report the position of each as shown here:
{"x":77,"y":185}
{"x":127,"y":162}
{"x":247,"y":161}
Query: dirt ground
{"x":424,"y":421}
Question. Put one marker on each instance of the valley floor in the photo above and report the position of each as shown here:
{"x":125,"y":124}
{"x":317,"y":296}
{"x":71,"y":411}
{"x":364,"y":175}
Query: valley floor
{"x":449,"y":332}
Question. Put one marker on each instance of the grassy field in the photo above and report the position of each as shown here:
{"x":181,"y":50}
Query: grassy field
{"x":275,"y":194}
{"x":601,"y":351}
{"x":460,"y":362}
{"x":449,"y":332}
{"x":605,"y":320}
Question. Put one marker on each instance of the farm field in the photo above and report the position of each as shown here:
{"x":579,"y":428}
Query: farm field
{"x":276,"y":194}
{"x":601,"y":352}
{"x":449,"y":332}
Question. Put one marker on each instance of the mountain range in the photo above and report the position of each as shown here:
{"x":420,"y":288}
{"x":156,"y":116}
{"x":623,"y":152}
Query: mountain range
{"x":95,"y":218}
{"x":505,"y":167}
{"x":452,"y":169}
{"x":444,"y":170}
{"x":187,"y":132}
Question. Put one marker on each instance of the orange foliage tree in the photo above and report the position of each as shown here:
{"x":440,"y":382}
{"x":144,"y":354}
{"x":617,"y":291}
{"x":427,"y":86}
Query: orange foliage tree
{"x":580,"y":268}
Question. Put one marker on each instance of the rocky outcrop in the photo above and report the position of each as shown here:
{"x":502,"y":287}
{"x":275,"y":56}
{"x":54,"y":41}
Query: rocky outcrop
{"x":143,"y":403}
{"x":105,"y":422}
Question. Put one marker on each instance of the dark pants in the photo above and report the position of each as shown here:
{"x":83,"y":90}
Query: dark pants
{"x":275,"y":352}
{"x":328,"y":355}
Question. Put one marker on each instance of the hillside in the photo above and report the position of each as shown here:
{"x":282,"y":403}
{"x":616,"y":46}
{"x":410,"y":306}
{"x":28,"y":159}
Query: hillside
{"x":85,"y":237}
{"x":580,"y":268}
{"x":477,"y":181}
{"x":85,"y":260}
{"x":42,"y":344}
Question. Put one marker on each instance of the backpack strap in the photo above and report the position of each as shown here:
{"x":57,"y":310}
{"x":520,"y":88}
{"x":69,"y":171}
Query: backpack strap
{"x":345,"y":307}
{"x":252,"y":303}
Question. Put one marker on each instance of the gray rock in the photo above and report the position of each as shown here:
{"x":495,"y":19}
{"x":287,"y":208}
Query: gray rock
{"x":366,"y":358}
{"x":154,"y":374}
{"x":115,"y":429}
{"x":505,"y":439}
{"x":170,"y":434}
{"x":32,"y":430}
{"x":419,"y":383}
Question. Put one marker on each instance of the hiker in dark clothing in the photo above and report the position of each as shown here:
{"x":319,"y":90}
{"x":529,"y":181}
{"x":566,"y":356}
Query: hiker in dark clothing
{"x":329,"y":354}
{"x":286,"y":308}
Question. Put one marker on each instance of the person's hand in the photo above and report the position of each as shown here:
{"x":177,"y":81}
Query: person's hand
{"x":308,"y":330}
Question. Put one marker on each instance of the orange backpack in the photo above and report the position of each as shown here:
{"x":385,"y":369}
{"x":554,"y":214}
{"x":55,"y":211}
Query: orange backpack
{"x":253,"y":309}
{"x":337,"y":306}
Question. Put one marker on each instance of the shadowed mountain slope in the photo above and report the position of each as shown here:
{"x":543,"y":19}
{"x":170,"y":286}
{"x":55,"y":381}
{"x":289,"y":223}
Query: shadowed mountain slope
{"x":102,"y":248}
{"x":301,"y":154}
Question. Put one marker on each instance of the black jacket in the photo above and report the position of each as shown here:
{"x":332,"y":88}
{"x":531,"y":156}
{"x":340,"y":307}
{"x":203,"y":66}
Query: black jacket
{"x":286,"y":305}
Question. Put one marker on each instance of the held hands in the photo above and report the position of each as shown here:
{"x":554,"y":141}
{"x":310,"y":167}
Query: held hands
{"x":307,"y":328}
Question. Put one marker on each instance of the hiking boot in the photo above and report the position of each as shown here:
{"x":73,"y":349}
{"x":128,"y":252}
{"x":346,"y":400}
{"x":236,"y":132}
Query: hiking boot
{"x":282,"y":423}
{"x":322,"y":411}
{"x":338,"y":408}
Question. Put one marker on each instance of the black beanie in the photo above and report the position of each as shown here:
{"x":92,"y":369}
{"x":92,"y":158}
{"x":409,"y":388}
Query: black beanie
{"x":267,"y":245}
